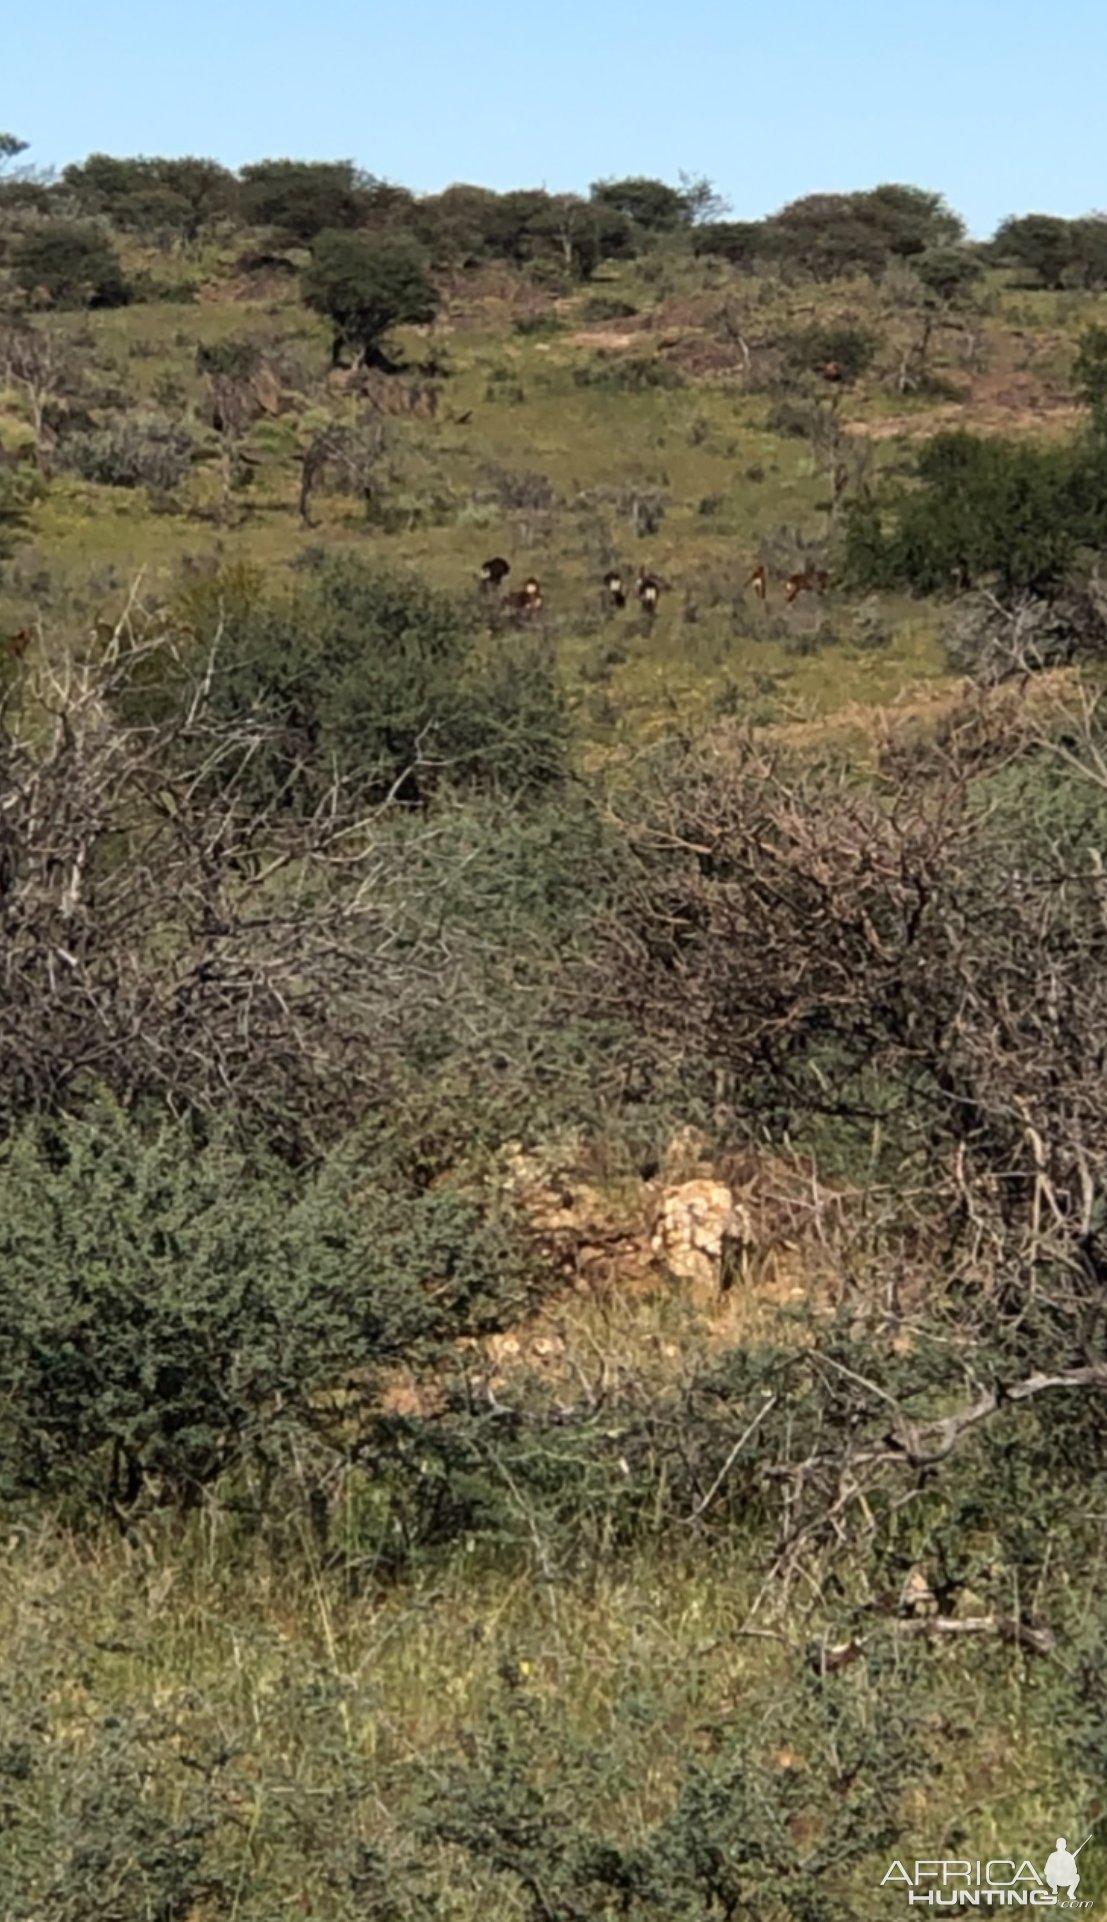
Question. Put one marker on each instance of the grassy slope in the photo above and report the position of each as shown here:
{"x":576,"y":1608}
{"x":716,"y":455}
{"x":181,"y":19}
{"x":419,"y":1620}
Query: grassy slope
{"x":234,"y":1648}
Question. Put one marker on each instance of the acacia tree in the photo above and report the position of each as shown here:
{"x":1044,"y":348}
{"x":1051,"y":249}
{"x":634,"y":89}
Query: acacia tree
{"x":366,"y":284}
{"x":10,"y":148}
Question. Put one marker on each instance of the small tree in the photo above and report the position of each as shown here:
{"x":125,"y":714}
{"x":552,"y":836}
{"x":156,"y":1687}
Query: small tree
{"x":73,"y":263}
{"x":367,"y":284}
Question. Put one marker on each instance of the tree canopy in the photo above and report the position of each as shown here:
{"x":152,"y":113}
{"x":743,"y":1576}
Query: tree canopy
{"x":367,"y":284}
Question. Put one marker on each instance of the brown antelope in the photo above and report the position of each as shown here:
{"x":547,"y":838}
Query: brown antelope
{"x":526,"y":601}
{"x":759,"y":581}
{"x":649,"y":592}
{"x":616,"y":592}
{"x":812,"y":580}
{"x":495,"y":572}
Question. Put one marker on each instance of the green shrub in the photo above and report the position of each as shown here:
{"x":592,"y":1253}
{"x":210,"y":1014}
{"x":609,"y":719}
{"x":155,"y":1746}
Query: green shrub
{"x":1054,"y":252}
{"x":740,"y":242}
{"x":607,"y":307}
{"x":982,"y":509}
{"x":373,"y":679}
{"x":849,"y":349}
{"x":537,"y":326}
{"x":628,"y":373}
{"x":132,"y":453}
{"x":103,"y":1825}
{"x":229,"y":359}
{"x":172,"y":1307}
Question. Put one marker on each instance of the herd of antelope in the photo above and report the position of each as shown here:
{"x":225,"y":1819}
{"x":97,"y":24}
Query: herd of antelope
{"x":525,"y":602}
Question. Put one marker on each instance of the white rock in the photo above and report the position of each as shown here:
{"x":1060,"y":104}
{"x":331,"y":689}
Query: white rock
{"x":695,"y":1223}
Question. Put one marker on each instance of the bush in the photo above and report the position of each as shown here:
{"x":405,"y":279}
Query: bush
{"x":983,"y":508}
{"x":651,"y":206}
{"x":229,"y":359}
{"x":172,"y":1306}
{"x":371,"y":679}
{"x":740,"y":242}
{"x":132,"y":453}
{"x":849,"y":349}
{"x":72,"y":262}
{"x":606,"y":307}
{"x":537,"y":326}
{"x":628,"y":373}
{"x":992,"y":642}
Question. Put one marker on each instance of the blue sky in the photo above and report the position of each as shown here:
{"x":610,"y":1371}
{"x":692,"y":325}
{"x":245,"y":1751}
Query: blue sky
{"x":999,"y":104}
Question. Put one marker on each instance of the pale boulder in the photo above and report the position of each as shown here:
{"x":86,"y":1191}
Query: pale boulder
{"x":697,"y":1227}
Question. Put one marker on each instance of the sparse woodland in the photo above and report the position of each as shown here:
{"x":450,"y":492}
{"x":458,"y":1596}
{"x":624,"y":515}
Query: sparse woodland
{"x":393,"y":1528}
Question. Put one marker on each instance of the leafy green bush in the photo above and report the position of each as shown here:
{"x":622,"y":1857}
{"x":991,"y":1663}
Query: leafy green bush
{"x":832,"y":234}
{"x":374,"y":679}
{"x":72,"y":262}
{"x":743,"y":1838}
{"x":982,"y":509}
{"x":172,"y":1307}
{"x":84,"y":1838}
{"x":537,"y":326}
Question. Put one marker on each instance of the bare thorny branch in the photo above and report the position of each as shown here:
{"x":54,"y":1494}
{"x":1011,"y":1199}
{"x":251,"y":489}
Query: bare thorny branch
{"x":161,"y":934}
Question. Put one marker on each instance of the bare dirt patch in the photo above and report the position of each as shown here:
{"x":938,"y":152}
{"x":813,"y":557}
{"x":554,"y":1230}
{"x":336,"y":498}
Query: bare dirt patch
{"x":1004,"y":402}
{"x":603,"y":337}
